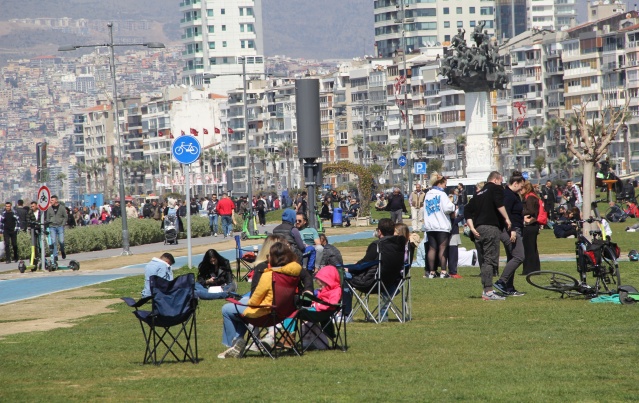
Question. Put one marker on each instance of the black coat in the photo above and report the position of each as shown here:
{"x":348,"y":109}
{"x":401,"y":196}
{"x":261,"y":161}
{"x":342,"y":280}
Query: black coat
{"x":392,"y":250}
{"x":222,"y":273}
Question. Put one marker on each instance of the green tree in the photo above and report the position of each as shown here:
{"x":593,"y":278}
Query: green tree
{"x":435,"y":165}
{"x":553,"y":126}
{"x":287,"y":149}
{"x":358,"y":143}
{"x":61,"y":178}
{"x":498,"y":133}
{"x":540,"y":163}
{"x":536,"y":135}
{"x":461,"y":149}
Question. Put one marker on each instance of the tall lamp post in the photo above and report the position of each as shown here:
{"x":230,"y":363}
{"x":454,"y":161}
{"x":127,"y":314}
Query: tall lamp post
{"x":404,"y":20}
{"x":151,"y":45}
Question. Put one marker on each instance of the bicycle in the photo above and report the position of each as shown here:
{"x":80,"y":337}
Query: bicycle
{"x":189,"y":148}
{"x":598,"y":257}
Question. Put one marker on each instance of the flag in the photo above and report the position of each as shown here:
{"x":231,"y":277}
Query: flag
{"x":183,"y":134}
{"x":205,"y":131}
{"x":217,"y":131}
{"x":160,"y":134}
{"x":230,"y":130}
{"x":194,"y":132}
{"x":171,"y":136}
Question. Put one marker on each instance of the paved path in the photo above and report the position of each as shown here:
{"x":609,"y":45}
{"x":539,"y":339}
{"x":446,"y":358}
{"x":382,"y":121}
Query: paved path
{"x":18,"y":289}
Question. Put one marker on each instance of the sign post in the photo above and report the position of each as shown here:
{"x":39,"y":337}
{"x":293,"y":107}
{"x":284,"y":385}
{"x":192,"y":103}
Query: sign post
{"x":186,"y":150}
{"x":44,"y":200}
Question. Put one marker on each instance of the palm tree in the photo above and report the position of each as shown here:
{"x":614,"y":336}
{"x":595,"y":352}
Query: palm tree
{"x":252,"y":156}
{"x":536,"y":134}
{"x":437,"y":142}
{"x":95,"y":171}
{"x":418,"y":145}
{"x":388,"y":152}
{"x":262,"y":155}
{"x":102,"y":163}
{"x":287,"y":149}
{"x":498,"y":133}
{"x":553,"y":126}
{"x":326,"y":144}
{"x":461,"y":148}
{"x":61,"y":177}
{"x":358,"y":142}
{"x":561,"y":164}
{"x":80,"y":168}
{"x":274,"y":159}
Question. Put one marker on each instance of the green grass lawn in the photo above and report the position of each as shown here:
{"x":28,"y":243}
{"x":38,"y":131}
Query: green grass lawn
{"x":458,"y":348}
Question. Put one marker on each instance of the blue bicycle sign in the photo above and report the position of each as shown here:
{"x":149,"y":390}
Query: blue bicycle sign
{"x":186,"y":149}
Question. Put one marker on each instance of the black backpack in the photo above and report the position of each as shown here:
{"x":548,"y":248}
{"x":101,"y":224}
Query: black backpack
{"x":146,"y":211}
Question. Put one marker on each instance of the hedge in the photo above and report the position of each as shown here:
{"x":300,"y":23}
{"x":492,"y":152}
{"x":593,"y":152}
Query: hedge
{"x":109,"y":236}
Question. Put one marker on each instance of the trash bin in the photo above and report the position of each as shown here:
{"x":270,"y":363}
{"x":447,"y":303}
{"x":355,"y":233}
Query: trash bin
{"x":337,"y":217}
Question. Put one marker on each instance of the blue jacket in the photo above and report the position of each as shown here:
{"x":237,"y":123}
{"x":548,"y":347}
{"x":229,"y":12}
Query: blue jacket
{"x":156,"y":267}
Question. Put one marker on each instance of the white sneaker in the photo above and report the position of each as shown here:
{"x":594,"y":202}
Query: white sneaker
{"x":431,"y":275}
{"x":492,"y":296}
{"x":235,"y":351}
{"x":215,"y":234}
{"x":444,"y":275}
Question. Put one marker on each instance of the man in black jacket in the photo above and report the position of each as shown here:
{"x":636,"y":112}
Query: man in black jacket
{"x":396,"y":206}
{"x":9,"y":227}
{"x":21,"y":212}
{"x":549,"y":195}
{"x":486,"y":217}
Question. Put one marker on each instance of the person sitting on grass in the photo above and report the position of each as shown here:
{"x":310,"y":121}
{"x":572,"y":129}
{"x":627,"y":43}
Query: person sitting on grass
{"x":565,"y":227}
{"x":157,"y":267}
{"x":281,"y":259}
{"x":214,"y":271}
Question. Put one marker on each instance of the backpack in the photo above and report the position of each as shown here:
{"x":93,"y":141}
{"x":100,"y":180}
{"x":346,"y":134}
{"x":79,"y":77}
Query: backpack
{"x":146,"y":211}
{"x":542,"y":216}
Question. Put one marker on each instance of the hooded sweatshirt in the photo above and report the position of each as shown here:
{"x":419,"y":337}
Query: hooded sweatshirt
{"x":332,"y":291}
{"x":437,"y":208}
{"x":263,"y":294}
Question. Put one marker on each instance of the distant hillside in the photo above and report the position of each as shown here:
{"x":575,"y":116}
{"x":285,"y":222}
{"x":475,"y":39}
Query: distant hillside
{"x":297,"y":28}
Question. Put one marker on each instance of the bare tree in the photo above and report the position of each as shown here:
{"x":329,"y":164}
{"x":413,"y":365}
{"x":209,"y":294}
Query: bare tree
{"x":588,"y":141}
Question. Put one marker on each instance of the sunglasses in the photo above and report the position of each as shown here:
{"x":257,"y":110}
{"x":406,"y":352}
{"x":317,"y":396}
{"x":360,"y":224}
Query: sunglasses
{"x":299,"y":221}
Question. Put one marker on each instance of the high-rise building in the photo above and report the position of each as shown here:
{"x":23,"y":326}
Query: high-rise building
{"x":217,"y":34}
{"x":510,"y":18}
{"x":427,"y":23}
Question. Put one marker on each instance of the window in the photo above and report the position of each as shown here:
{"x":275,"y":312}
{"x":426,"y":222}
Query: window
{"x":446,"y":24}
{"x":209,"y":13}
{"x":211,"y":29}
{"x":460,"y":24}
{"x":223,"y":11}
{"x":241,"y":27}
{"x":472,"y":23}
{"x":212,"y":61}
{"x":458,"y":10}
{"x":225,"y":60}
{"x":446,"y":38}
{"x":211,"y":45}
{"x":486,"y":11}
{"x":223,"y":44}
{"x":446,"y":10}
{"x":471,"y":10}
{"x":249,"y":11}
{"x":223,"y":27}
{"x":241,"y":12}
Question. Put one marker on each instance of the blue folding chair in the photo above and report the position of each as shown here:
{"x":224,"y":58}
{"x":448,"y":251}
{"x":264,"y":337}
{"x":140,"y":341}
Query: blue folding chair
{"x":173,"y":304}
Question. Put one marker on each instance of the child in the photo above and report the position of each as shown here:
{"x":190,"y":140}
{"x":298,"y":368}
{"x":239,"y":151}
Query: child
{"x":329,"y":290}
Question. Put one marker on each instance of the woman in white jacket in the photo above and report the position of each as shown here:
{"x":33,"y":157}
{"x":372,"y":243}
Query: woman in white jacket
{"x":437,"y":221}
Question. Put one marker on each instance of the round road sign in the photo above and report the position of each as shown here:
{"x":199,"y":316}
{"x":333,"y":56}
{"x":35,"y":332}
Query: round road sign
{"x":402,"y":161}
{"x":44,"y":198}
{"x":186,"y":149}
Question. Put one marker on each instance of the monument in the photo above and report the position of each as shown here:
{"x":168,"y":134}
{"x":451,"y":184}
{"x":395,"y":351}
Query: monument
{"x":476,"y":70}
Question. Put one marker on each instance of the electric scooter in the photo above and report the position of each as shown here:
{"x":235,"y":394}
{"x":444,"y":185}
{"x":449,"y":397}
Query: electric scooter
{"x":34,"y":262}
{"x":245,"y":231}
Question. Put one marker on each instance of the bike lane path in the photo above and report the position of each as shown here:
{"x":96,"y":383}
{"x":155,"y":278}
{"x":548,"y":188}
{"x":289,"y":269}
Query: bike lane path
{"x":19,"y":289}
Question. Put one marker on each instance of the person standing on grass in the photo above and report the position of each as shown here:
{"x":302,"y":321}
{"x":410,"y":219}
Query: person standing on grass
{"x":549,"y":194}
{"x":486,"y":216}
{"x":396,"y":206}
{"x":513,"y":239}
{"x":437,"y":211}
{"x":416,"y":201}
{"x":531,"y":229}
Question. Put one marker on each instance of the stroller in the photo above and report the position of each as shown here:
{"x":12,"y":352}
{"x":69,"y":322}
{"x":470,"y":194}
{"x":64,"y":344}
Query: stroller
{"x":171,"y":229}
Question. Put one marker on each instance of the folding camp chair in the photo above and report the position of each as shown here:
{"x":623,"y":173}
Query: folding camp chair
{"x":173,"y":304}
{"x":244,"y":258}
{"x":388,"y":282}
{"x":282,"y":308}
{"x":329,"y":323}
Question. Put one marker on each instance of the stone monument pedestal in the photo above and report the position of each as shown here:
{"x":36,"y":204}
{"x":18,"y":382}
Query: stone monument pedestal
{"x":479,"y":133}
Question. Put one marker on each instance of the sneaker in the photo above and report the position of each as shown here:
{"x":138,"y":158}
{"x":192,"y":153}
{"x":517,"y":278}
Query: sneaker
{"x":492,"y":296}
{"x":235,"y":351}
{"x":455,"y":276}
{"x":223,"y":355}
{"x":64,"y":255}
{"x":515,"y":293}
{"x":215,"y":234}
{"x":444,"y":275}
{"x":432,"y":275}
{"x":501,"y":287}
{"x":570,"y":236}
{"x":627,"y":228}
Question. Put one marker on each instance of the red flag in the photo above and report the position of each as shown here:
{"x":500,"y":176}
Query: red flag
{"x":230,"y":130}
{"x":205,"y":131}
{"x":193,"y":132}
{"x":160,"y":134}
{"x":171,"y":136}
{"x":183,"y":134}
{"x":217,"y":131}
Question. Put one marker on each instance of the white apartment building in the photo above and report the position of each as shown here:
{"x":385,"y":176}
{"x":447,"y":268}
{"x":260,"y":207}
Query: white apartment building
{"x":426,"y":23}
{"x":216,"y":34}
{"x":551,"y":14}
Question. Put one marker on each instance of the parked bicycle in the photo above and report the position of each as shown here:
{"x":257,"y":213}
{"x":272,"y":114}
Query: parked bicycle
{"x":598,"y":257}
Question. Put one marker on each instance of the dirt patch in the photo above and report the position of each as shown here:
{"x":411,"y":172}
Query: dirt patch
{"x":52,"y":311}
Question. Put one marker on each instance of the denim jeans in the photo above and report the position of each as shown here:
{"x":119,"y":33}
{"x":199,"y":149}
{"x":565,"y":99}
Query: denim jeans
{"x":204,"y":294}
{"x":233,"y":327}
{"x":57,"y":234}
{"x":213,"y":223}
{"x":227,"y":224}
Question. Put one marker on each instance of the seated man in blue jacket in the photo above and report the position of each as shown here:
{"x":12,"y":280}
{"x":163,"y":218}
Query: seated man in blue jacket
{"x":157,"y":267}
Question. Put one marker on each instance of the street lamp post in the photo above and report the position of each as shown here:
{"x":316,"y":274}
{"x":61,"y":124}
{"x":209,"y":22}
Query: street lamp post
{"x":151,"y":45}
{"x":408,"y":150}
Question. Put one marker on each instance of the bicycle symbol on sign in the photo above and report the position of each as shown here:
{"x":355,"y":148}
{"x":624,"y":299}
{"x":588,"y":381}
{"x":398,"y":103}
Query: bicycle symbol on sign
{"x":188,"y":148}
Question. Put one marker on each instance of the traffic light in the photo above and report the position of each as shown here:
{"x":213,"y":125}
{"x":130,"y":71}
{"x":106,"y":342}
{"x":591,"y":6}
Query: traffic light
{"x":41,"y":157}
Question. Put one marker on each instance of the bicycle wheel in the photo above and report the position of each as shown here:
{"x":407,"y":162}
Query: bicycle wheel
{"x":552,"y":281}
{"x":609,"y":270}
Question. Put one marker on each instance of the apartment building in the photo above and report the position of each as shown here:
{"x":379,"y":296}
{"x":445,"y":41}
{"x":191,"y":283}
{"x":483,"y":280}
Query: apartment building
{"x":216,"y":34}
{"x":510,"y":18}
{"x":426,"y":23}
